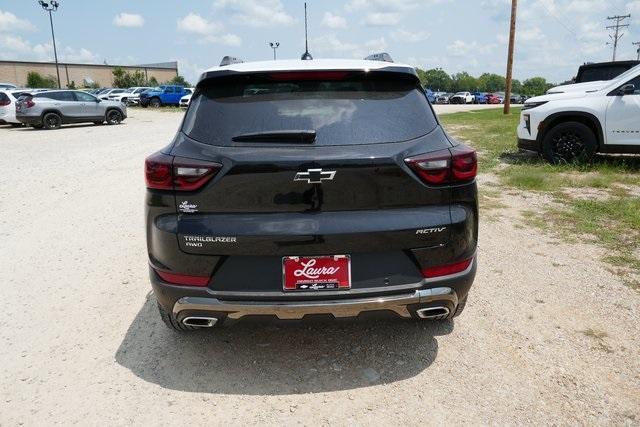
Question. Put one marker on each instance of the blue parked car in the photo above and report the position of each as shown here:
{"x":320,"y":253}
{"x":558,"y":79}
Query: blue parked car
{"x":163,"y":95}
{"x":479,"y":98}
{"x":431,"y":95}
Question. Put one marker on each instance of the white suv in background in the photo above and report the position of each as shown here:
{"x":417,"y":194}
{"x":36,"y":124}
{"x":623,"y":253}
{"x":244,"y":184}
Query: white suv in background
{"x":572,"y":124}
{"x":462,"y":98}
{"x":130,"y":96}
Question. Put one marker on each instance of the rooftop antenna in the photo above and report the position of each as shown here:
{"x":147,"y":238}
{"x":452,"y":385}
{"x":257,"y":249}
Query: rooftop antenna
{"x":306,"y":55}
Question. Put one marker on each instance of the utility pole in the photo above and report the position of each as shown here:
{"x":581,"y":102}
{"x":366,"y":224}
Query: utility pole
{"x":512,"y":42}
{"x":616,"y":36}
{"x":52,"y":6}
{"x":638,"y":50}
{"x":274,"y":46}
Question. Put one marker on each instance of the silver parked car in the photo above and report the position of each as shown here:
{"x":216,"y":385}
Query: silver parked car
{"x":52,"y":109}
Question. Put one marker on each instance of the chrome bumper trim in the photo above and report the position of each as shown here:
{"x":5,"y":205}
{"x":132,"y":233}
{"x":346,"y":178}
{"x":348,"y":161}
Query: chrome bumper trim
{"x":298,"y":309}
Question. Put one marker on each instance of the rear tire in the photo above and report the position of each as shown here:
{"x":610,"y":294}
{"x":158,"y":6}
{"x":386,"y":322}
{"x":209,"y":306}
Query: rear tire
{"x":172,"y":322}
{"x":52,"y":121}
{"x":114,"y":117}
{"x":568,"y":143}
{"x":155,"y":103}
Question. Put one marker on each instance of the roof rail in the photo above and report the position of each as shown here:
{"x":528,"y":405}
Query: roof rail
{"x":382,"y":56}
{"x":227,"y":60}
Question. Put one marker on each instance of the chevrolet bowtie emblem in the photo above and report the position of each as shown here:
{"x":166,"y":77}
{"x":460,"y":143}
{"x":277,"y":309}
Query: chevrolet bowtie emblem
{"x":315,"y":176}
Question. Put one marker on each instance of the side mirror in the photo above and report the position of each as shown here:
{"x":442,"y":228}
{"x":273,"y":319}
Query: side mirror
{"x":628,"y":89}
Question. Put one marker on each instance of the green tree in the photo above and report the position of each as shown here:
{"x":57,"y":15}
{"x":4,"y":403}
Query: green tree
{"x":124,"y":79}
{"x":435,"y":78}
{"x":490,"y":82}
{"x":36,"y":80}
{"x":464,"y":82}
{"x":153,"y":82}
{"x":71,"y":85}
{"x":535,"y":86}
{"x":516,"y":86}
{"x":179,"y":80}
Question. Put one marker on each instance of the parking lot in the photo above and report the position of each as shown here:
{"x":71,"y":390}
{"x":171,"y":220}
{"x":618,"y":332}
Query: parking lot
{"x":550,"y":335}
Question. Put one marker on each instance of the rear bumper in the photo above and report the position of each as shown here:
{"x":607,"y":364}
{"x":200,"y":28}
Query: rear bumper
{"x":403,"y":300}
{"x":29,"y":120}
{"x":400,"y":304}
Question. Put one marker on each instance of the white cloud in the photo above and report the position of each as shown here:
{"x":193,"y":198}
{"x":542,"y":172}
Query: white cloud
{"x":10,"y":22}
{"x":330,"y":46}
{"x":382,"y":19}
{"x":530,"y":34}
{"x":403,"y":35}
{"x":633,"y":7}
{"x":15,"y":47}
{"x":384,"y":5}
{"x":196,"y":24}
{"x":462,"y":48}
{"x":209,"y":30}
{"x":376,"y":45}
{"x":130,"y":20}
{"x":333,"y":21}
{"x":256,"y":13}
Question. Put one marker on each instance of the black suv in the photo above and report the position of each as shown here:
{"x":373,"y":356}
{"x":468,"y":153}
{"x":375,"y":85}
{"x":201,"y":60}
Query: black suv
{"x":297,"y":188}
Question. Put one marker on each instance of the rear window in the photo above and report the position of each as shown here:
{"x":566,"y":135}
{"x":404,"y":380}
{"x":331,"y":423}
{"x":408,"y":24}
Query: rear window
{"x":600,"y":73}
{"x":57,"y":96}
{"x":356,"y":109}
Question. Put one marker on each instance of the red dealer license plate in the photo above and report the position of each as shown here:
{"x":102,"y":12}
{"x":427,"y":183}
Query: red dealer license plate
{"x":318,"y":273}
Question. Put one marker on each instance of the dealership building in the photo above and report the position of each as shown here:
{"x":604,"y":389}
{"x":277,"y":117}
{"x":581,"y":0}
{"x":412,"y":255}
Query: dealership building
{"x":15,"y":72}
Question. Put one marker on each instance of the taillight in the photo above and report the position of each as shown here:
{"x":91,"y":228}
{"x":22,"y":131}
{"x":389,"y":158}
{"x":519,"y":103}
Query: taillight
{"x":450,"y":166}
{"x":464,"y":163}
{"x":165,"y":172}
{"x":446,"y":270}
{"x":183,"y":279}
{"x":29,"y":103}
{"x":4,"y":102}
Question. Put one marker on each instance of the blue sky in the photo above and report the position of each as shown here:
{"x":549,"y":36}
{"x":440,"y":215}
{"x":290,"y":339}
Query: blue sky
{"x":554,"y":36}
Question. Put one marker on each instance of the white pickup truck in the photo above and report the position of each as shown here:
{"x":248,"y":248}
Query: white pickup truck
{"x":573,"y":122}
{"x":462,"y":98}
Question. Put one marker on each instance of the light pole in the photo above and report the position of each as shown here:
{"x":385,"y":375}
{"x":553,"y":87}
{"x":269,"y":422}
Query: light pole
{"x":274,"y":46}
{"x":52,"y":6}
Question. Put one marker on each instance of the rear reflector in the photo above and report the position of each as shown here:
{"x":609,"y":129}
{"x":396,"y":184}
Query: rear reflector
{"x":445,"y":270}
{"x":183,"y":279}
{"x":164,"y":172}
{"x":456,"y":165}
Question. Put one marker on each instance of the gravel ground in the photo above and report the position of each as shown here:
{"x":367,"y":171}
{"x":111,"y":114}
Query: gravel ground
{"x":549,"y":336}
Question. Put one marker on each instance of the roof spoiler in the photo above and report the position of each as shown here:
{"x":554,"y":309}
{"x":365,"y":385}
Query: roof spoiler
{"x":228,"y":60}
{"x":382,"y":56}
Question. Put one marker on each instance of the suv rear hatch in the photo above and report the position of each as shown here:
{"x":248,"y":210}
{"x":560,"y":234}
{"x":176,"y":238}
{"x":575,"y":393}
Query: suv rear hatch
{"x":311,"y":163}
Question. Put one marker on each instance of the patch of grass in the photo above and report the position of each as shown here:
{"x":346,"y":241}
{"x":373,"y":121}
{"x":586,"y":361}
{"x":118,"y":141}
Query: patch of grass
{"x":489,"y":131}
{"x":596,"y":199}
{"x":493,"y":134}
{"x":613,"y":223}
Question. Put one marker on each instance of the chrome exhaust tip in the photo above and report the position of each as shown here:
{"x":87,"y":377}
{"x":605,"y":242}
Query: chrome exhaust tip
{"x":433,"y":313}
{"x":199,"y":321}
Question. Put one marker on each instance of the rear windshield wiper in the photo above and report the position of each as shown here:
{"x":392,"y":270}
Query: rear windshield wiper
{"x":302,"y":136}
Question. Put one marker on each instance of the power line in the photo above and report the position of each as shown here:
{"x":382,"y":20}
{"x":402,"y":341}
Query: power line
{"x":616,"y":36}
